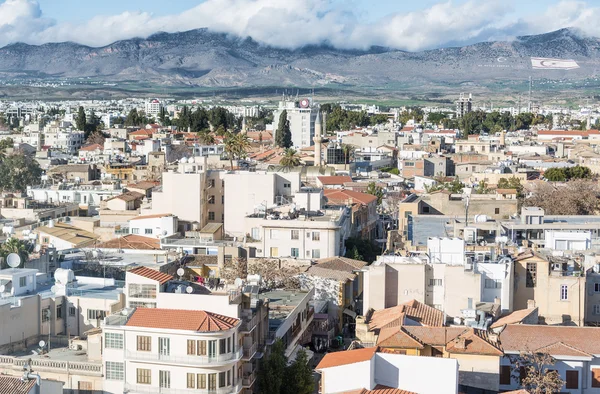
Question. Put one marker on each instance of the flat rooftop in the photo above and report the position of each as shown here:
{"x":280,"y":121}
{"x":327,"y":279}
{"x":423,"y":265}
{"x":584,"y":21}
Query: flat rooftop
{"x":281,"y":304}
{"x":60,"y":353}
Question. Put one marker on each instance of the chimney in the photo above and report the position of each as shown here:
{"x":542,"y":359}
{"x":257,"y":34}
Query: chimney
{"x":530,"y":304}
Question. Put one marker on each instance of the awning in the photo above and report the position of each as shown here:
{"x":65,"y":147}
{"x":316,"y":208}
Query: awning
{"x":350,"y":313}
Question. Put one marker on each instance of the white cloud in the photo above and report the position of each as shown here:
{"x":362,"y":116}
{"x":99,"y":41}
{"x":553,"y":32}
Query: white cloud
{"x":294,"y":23}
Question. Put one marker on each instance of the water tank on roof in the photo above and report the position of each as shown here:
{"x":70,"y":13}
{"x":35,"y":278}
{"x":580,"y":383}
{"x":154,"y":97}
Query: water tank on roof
{"x":481,"y":218}
{"x":183,"y":161}
{"x":64,"y":276}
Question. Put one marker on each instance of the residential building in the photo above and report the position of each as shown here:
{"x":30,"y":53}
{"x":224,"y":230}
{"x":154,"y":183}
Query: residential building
{"x":154,"y":226}
{"x":464,"y":105}
{"x":301,"y":116}
{"x":63,"y":236}
{"x":364,"y":210}
{"x":153,"y":108}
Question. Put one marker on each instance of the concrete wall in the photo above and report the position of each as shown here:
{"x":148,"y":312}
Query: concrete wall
{"x":478,"y":371}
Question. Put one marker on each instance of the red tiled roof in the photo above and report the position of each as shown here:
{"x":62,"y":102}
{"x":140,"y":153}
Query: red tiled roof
{"x":343,"y":196}
{"x":475,"y":342}
{"x":513,"y":318}
{"x":149,"y":273}
{"x":379,"y":389}
{"x":337,"y":359}
{"x":524,"y":337}
{"x":334,"y":180}
{"x":132,"y":241}
{"x":92,"y":147}
{"x":396,"y":337}
{"x":413,"y":310}
{"x":176,"y":319}
{"x":562,"y":349}
{"x":14,"y":385}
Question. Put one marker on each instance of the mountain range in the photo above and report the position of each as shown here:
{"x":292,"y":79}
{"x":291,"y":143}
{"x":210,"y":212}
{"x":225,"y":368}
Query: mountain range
{"x":207,"y":60}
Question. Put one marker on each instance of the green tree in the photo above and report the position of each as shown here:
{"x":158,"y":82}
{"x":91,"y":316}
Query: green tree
{"x":357,"y":247}
{"x":355,"y":254}
{"x":455,"y":187}
{"x":17,"y":171}
{"x":81,"y":120}
{"x":511,"y":183}
{"x":376,"y":191}
{"x":133,"y":118}
{"x":290,"y":159}
{"x":348,"y":150}
{"x":298,"y":376}
{"x":283,"y":137}
{"x":555,"y":174}
{"x":236,"y":146}
{"x":14,"y":245}
{"x":272,"y":370}
{"x":482,"y":188}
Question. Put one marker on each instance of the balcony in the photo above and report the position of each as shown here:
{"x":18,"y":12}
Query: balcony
{"x":217,"y":360}
{"x":249,"y":352}
{"x":147,"y":389}
{"x":248,"y":325}
{"x":270,"y":338}
{"x":55,"y":366}
{"x":248,"y":380}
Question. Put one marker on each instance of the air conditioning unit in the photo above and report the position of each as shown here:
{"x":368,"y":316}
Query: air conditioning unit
{"x":556,"y":266}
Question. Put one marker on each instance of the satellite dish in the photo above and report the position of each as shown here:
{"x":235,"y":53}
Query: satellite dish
{"x":180,"y":271}
{"x":42,"y":343}
{"x":2,"y":288}
{"x":13,"y":260}
{"x":238,"y":282}
{"x":53,"y":289}
{"x":189,"y":289}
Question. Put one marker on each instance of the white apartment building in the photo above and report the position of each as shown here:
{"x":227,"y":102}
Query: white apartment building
{"x":152,"y":108}
{"x":88,"y":197}
{"x":302,"y":116}
{"x":61,"y":135}
{"x":450,"y":279}
{"x":154,"y":226}
{"x":152,"y":350}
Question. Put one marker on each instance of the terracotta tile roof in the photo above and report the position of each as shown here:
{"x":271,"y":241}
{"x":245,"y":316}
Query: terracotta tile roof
{"x":413,"y":310}
{"x":176,"y":319}
{"x":524,"y":337}
{"x":379,"y":389}
{"x":14,"y":385}
{"x":434,"y":336}
{"x":345,"y":196}
{"x":128,"y":196}
{"x":475,"y":342}
{"x":131,"y":241}
{"x":334,"y":180}
{"x":337,"y":359}
{"x":149,"y":273}
{"x":562,"y":349}
{"x":158,"y":215}
{"x":397,"y":337}
{"x":92,"y":147}
{"x":513,"y":318}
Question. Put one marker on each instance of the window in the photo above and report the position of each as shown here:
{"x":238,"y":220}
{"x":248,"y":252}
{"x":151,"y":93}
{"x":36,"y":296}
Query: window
{"x":95,"y":314}
{"x":274,"y":234}
{"x":164,"y":346}
{"x":564,"y":292}
{"x":45,"y":314}
{"x":295,"y":252}
{"x":191,"y":348}
{"x":142,"y":291}
{"x":144,"y":343}
{"x":135,"y":231}
{"x":596,"y":287}
{"x":596,"y":377}
{"x":572,"y":379}
{"x":222,"y":346}
{"x":191,"y":380}
{"x":596,"y":309}
{"x":23,"y":281}
{"x":316,"y":236}
{"x":274,"y":252}
{"x":164,"y":379}
{"x":72,"y":311}
{"x":435,"y":282}
{"x":409,"y":163}
{"x":148,"y":231}
{"x":228,"y":378}
{"x":221,"y":379}
{"x":316,"y":253}
{"x":425,"y":209}
{"x":114,"y":371}
{"x":212,"y":381}
{"x":295,"y":234}
{"x":223,"y":199}
{"x":493,"y":284}
{"x":505,"y":374}
{"x":113,"y":340}
{"x":59,"y":311}
{"x":497,"y":211}
{"x":211,"y":216}
{"x":530,"y":279}
{"x":138,"y":304}
{"x":201,"y":380}
{"x":201,"y":348}
{"x":211,"y":199}
{"x":228,"y":345}
{"x":287,"y":185}
{"x":144,"y":376}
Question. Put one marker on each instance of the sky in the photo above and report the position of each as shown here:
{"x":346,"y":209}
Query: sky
{"x":402,"y":24}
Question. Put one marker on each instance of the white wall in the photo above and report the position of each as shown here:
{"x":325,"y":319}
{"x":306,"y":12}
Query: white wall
{"x":347,"y":377}
{"x":446,"y":250}
{"x":568,"y":240}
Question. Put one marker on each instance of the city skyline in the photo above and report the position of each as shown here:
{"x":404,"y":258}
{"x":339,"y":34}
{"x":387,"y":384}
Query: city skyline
{"x":295,"y":23}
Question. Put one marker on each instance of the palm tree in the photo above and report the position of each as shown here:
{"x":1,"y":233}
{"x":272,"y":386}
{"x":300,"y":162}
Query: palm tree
{"x":230,"y":147}
{"x":206,"y":137}
{"x":236,"y":146}
{"x":348,"y":150}
{"x":14,"y":245}
{"x":290,"y":159}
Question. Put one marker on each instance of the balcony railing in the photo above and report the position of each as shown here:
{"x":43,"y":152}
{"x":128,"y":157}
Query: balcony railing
{"x":194,"y":360}
{"x":49,"y":365}
{"x":270,"y":337}
{"x":248,"y":325}
{"x":248,"y":380}
{"x":250,"y":351}
{"x":147,"y":389}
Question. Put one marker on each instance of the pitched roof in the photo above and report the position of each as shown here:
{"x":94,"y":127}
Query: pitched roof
{"x":434,"y":336}
{"x":379,"y":389}
{"x":513,"y":318}
{"x":159,"y":215}
{"x":334,"y":179}
{"x":92,"y":147}
{"x":397,"y":337}
{"x":326,"y":273}
{"x":525,"y":337}
{"x":475,"y":342}
{"x":414,"y":310}
{"x":344,"y":196}
{"x":144,"y":185}
{"x":14,"y":385}
{"x":176,"y":319}
{"x":128,"y":196}
{"x":341,"y":263}
{"x":562,"y":349}
{"x":337,"y":359}
{"x":132,"y":241}
{"x":149,"y":273}
{"x":70,"y":234}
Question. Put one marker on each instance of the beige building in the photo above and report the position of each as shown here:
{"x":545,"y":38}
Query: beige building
{"x":556,"y":286}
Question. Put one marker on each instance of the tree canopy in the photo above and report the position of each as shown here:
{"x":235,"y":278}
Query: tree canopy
{"x":341,"y":119}
{"x":17,"y":171}
{"x":276,"y":377}
{"x":283,"y":136}
{"x":566,"y":174}
{"x":577,"y":197}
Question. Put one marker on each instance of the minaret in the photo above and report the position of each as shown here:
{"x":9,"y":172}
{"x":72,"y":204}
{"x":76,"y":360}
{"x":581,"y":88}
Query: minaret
{"x":503,"y":138}
{"x":318,"y":139}
{"x":244,"y":126}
